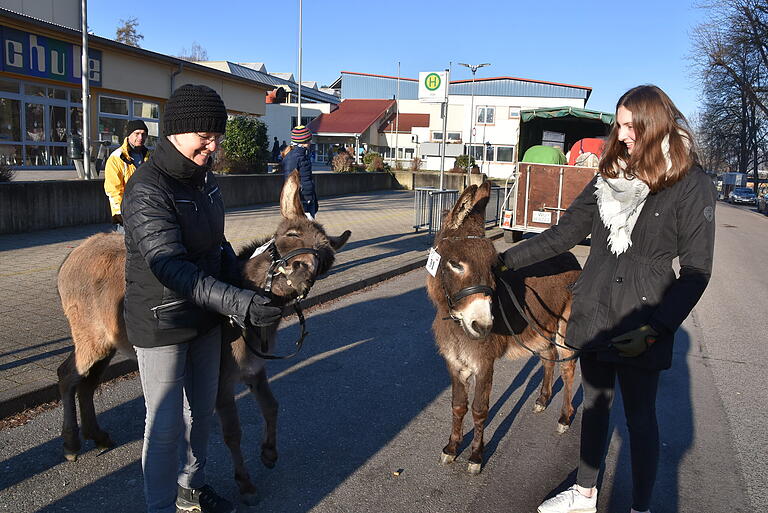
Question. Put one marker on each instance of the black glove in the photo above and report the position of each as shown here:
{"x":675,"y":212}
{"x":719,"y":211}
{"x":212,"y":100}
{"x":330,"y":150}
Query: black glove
{"x":260,"y":313}
{"x":636,"y":342}
{"x":117,"y":219}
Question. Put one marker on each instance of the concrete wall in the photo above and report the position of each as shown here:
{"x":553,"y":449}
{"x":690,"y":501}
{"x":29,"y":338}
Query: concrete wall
{"x":413,"y":179}
{"x":30,"y":206}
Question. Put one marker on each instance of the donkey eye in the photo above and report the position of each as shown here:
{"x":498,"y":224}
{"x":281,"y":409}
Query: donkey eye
{"x":455,"y":266}
{"x":293,"y":234}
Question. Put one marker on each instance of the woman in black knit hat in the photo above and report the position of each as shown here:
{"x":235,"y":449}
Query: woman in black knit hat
{"x":177,"y":258}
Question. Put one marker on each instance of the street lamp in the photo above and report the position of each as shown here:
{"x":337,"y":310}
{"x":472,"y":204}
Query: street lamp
{"x":473,"y":68}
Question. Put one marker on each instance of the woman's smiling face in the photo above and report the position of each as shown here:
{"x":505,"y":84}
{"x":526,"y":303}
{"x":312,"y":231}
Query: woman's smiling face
{"x":197,"y":146}
{"x":626,"y":129}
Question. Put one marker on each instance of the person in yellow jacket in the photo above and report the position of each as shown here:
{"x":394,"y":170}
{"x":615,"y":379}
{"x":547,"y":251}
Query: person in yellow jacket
{"x":121,"y":164}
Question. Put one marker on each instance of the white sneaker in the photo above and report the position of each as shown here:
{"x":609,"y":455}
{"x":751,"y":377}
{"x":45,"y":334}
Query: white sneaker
{"x":570,"y":501}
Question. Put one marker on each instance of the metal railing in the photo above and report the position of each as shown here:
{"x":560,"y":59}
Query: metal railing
{"x":428,"y":206}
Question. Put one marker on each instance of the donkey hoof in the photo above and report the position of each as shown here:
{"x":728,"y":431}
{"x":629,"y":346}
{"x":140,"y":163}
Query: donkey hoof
{"x":562,"y":428}
{"x":474,"y":468}
{"x":105,"y":444}
{"x":447,"y":459}
{"x":538,"y":408}
{"x":70,"y":455}
{"x":269,"y":458}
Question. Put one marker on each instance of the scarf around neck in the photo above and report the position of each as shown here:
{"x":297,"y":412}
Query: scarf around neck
{"x":620,"y":201}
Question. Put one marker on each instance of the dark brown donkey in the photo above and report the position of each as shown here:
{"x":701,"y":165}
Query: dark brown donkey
{"x":470,"y":330}
{"x":91,"y":284}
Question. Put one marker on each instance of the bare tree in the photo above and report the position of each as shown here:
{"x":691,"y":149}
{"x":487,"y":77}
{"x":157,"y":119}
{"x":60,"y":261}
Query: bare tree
{"x":127,"y":33}
{"x":196,"y":53}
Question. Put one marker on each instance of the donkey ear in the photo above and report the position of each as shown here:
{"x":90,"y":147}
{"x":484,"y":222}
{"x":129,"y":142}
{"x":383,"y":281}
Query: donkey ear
{"x":290,"y":197}
{"x":338,"y":242}
{"x":462,"y":208}
{"x":481,"y":197}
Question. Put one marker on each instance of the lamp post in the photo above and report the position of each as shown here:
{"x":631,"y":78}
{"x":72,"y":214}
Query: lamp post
{"x":298,"y":121}
{"x":473,"y":68}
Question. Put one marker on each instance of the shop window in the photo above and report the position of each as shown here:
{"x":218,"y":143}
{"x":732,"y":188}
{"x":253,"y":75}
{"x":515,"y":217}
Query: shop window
{"x":76,"y":96}
{"x":111,"y":105}
{"x":153,"y":134}
{"x":10,"y":154}
{"x":112,"y":130}
{"x":10,"y":120}
{"x":76,"y":120}
{"x":142,"y":109}
{"x":505,"y":153}
{"x":486,"y":115}
{"x":59,"y":156}
{"x":58,"y":123}
{"x":36,"y":156}
{"x":34,"y":90}
{"x":9,"y":86}
{"x":57,"y":93}
{"x":35,"y":122}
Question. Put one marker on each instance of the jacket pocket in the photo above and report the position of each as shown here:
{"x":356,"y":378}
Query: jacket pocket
{"x":176,"y":314}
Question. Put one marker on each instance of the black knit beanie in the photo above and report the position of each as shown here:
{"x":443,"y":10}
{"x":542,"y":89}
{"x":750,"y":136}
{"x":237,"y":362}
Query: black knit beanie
{"x":135,"y":124}
{"x":194,"y":108}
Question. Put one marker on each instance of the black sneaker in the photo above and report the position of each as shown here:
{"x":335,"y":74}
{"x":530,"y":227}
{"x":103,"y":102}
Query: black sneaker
{"x":204,"y":500}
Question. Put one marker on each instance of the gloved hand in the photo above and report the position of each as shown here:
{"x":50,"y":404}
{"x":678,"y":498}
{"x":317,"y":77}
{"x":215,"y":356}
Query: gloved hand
{"x":636,"y":342}
{"x":117,"y":219}
{"x":260,"y":313}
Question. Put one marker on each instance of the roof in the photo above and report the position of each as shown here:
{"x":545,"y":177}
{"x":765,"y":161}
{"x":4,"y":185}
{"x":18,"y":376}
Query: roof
{"x":404,"y":122}
{"x":353,"y":117}
{"x":109,"y":43}
{"x":273,"y":80}
{"x":367,"y":85}
{"x":562,"y":112}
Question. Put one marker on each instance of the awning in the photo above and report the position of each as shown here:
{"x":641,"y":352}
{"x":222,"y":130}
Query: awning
{"x":561,"y":112}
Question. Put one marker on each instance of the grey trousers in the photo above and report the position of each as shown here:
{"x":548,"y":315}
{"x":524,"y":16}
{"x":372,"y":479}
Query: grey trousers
{"x":180,"y":384}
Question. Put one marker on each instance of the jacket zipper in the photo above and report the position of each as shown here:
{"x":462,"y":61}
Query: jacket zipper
{"x":210,"y":194}
{"x":187,"y":201}
{"x":156,"y":309}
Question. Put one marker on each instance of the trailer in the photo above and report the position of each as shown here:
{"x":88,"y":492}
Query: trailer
{"x":536,"y":195}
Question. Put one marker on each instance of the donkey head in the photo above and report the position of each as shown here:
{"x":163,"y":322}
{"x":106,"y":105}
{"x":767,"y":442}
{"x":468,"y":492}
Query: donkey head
{"x":296,"y":275}
{"x":464,"y":278}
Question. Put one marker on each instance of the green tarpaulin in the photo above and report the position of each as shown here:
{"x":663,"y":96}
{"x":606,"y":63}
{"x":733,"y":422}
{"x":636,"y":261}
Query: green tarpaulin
{"x":560,"y":112}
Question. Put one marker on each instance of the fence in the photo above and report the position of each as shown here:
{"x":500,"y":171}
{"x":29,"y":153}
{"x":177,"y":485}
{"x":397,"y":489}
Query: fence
{"x":429,"y":204}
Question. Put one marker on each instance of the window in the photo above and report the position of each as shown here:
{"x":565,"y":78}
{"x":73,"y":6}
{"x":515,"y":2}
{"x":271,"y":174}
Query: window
{"x":453,"y":137}
{"x":305,"y":120}
{"x":505,"y":153}
{"x":477,"y":151}
{"x":114,"y":114}
{"x":514,"y":112}
{"x":555,"y":139}
{"x":486,"y":115}
{"x":489,"y":152}
{"x":409,"y":153}
{"x":10,"y":127}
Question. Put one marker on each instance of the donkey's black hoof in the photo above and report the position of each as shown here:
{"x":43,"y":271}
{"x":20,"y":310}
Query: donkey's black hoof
{"x":249,"y":499}
{"x":269,"y":458}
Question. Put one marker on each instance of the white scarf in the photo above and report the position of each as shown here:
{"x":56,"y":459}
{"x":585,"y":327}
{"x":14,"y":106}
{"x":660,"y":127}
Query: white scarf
{"x":620,"y":201}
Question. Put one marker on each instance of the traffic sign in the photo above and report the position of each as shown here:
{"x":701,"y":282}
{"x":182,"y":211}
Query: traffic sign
{"x":433,"y":86}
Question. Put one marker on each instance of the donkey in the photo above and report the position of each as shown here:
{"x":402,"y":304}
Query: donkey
{"x":470,"y":327}
{"x":91,"y":284}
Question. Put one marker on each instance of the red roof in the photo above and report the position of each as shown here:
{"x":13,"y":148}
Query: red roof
{"x":404,"y":123}
{"x":352,"y":117}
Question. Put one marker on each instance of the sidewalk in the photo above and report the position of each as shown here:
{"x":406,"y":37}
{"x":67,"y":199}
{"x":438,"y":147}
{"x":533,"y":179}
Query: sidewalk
{"x":34,"y":334}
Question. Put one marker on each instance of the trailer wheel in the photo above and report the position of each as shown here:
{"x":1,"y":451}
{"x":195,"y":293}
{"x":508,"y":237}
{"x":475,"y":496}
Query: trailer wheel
{"x":513,"y":236}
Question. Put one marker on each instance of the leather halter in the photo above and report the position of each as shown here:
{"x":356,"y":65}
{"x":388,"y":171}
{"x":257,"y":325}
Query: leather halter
{"x":277,"y":267}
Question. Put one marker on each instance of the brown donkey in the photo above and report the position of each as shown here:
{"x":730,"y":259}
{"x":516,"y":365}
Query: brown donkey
{"x":91,"y":284}
{"x":469,"y":327}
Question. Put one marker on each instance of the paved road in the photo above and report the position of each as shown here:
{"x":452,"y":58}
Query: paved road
{"x":370,"y":396}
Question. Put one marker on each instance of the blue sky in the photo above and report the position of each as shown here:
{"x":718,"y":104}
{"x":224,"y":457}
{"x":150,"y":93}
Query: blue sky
{"x":607,"y":45}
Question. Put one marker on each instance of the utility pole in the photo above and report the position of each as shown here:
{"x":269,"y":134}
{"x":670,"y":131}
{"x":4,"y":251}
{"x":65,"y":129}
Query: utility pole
{"x":473,"y":68}
{"x":397,"y":115}
{"x":85,"y":72}
{"x":298,"y":121}
{"x":444,"y":109}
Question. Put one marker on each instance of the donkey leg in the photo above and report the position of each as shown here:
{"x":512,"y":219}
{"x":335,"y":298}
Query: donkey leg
{"x":459,"y":409}
{"x":269,"y":407}
{"x":85,"y":390}
{"x":68,"y":381}
{"x":545,"y":392}
{"x":483,"y":385}
{"x":232,"y":433}
{"x":567,"y":370}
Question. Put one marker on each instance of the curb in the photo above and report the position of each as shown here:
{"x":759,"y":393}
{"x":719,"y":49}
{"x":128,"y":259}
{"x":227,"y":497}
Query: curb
{"x":124,"y":365}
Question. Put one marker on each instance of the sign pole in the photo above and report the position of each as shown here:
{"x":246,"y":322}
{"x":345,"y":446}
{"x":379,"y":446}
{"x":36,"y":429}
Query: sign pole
{"x":444,"y":109}
{"x":86,"y":94}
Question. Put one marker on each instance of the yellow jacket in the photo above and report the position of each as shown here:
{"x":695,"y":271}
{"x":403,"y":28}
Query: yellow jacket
{"x":118,"y":170}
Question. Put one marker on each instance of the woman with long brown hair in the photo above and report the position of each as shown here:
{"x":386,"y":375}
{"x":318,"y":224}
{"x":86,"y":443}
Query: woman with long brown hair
{"x":649,"y":204}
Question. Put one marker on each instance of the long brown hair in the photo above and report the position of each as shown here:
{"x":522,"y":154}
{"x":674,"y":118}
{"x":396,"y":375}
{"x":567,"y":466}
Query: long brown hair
{"x":654,"y":117}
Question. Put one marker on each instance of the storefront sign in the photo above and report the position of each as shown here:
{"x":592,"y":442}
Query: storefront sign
{"x":39,"y":56}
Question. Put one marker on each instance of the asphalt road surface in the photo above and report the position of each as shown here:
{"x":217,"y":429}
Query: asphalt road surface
{"x":369,"y":396}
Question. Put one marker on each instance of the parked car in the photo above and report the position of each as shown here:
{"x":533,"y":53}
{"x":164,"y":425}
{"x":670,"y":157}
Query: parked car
{"x":742,"y":195}
{"x":762,"y":204}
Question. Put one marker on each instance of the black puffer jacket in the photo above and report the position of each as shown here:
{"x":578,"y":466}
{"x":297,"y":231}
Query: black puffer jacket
{"x":616,"y":294}
{"x":174,"y":236}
